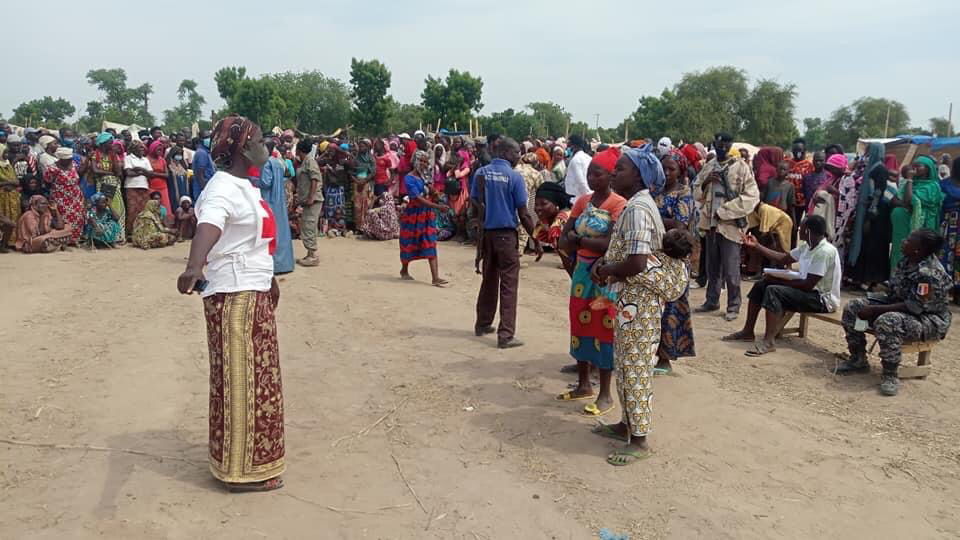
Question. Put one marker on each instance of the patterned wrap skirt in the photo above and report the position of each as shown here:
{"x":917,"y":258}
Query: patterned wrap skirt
{"x":246,"y":397}
{"x":592,"y":311}
{"x":418,"y":233}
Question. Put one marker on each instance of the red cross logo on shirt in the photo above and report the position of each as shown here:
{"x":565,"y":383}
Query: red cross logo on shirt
{"x":269,"y":227}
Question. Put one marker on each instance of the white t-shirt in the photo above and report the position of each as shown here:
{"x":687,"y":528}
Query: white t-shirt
{"x":131,"y":161}
{"x":576,"y":180}
{"x":241,"y":260}
{"x":823,"y":260}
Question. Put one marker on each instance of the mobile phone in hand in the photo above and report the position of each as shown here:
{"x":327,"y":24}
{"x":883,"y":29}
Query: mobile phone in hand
{"x":200,"y":285}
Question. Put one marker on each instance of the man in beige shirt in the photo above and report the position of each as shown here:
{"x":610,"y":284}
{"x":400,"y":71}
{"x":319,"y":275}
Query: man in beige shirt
{"x":725,"y":193}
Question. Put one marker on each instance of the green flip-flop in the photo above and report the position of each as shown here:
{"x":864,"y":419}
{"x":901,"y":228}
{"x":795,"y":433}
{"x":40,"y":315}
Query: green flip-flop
{"x":622,"y":457}
{"x":604,"y":430}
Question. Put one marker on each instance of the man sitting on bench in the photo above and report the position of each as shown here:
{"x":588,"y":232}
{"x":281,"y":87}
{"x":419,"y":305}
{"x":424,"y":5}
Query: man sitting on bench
{"x":815,"y":290}
{"x":914,"y":310}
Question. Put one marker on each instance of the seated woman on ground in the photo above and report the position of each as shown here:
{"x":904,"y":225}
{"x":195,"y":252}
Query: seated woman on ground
{"x":381,"y":222}
{"x":165,"y":218}
{"x":41,"y":229}
{"x":103,"y":224}
{"x":186,"y":219}
{"x":149,"y":231}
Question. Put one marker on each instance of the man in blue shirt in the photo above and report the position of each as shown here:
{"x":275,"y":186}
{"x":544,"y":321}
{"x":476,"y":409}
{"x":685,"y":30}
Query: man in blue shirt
{"x":500,"y":193}
{"x":203,"y":168}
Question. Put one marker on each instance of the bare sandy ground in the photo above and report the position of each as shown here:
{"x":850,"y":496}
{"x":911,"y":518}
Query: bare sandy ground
{"x":386,"y":387}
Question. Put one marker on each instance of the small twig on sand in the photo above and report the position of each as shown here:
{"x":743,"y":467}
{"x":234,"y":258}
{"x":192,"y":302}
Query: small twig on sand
{"x":367,"y":429}
{"x":412,"y":492}
{"x":89,"y":447}
{"x":346,"y":510}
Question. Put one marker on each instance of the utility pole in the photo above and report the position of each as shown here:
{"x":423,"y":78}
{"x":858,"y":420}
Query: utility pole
{"x":886,"y":124}
{"x":950,"y":121}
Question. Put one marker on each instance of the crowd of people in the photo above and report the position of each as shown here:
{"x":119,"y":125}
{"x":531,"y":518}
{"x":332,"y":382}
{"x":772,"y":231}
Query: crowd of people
{"x":635,"y":225}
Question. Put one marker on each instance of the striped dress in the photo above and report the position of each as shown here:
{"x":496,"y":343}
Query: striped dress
{"x":418,"y":224}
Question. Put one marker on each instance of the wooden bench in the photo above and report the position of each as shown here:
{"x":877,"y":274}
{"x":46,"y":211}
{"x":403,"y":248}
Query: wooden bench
{"x":921,"y":348}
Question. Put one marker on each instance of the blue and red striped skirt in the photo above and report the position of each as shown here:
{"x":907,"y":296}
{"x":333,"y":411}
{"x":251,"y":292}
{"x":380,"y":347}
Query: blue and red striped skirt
{"x":418,"y":233}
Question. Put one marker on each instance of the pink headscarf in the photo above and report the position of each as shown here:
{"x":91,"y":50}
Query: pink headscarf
{"x":156,"y":146}
{"x":839,"y":161}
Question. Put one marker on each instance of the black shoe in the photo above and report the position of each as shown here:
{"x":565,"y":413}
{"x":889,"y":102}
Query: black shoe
{"x":509,"y":343}
{"x":889,"y":384}
{"x":483,"y":330}
{"x":849,"y":367}
{"x":706,"y":308}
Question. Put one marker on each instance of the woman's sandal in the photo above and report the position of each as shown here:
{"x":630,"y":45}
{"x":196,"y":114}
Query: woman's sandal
{"x":605,"y":430}
{"x":569,"y":396}
{"x":623,"y":457}
{"x":593,"y":411}
{"x":256,"y":487}
{"x":760,"y":349}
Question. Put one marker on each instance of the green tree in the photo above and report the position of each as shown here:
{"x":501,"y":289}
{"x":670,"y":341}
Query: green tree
{"x":651,"y":119}
{"x":941,"y":127}
{"x":402,"y":116}
{"x":867,"y":117}
{"x":120,"y":103}
{"x":370,"y":81}
{"x":312,"y":102}
{"x":259,"y":100}
{"x":767,"y":114}
{"x":550,"y":119}
{"x":227,"y":80}
{"x":188,"y":111}
{"x":815,"y":133}
{"x":511,"y":123}
{"x":452,"y":101}
{"x":707,"y":102}
{"x":46,"y":112}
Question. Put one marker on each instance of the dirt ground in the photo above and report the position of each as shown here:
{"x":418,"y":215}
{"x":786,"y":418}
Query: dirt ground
{"x":389,"y":394}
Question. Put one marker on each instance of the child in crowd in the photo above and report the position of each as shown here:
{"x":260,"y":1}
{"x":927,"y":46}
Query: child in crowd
{"x":336,"y":225}
{"x":186,"y":222}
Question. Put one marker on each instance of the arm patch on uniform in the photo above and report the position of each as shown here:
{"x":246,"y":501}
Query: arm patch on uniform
{"x":923,"y":289}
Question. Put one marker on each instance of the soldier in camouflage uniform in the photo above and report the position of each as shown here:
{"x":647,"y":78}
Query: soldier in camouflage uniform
{"x":915,"y":310}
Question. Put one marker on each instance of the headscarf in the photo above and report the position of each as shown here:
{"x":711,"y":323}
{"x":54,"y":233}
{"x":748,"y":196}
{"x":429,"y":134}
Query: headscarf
{"x":229,"y":135}
{"x":96,"y":197}
{"x":443,"y":154}
{"x":186,"y":198}
{"x":701,"y":150}
{"x":865,"y":195}
{"x":45,"y":140}
{"x":36,"y":200}
{"x":554,"y":193}
{"x":649,"y":168}
{"x":931,"y":169}
{"x":664,"y":145}
{"x":839,"y":161}
{"x":156,"y":146}
{"x":606,"y":160}
{"x":530,"y":158}
{"x":681,"y":160}
{"x":63,"y":153}
{"x":765,"y":164}
{"x":421,"y":159}
{"x":693,"y":156}
{"x":544,"y":157}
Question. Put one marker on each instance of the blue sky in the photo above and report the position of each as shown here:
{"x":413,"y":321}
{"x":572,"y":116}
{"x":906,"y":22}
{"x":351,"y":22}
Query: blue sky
{"x":594,"y":57}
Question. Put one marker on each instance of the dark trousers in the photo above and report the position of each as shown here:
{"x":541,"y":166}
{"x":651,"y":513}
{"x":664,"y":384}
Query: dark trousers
{"x":782,"y":298}
{"x":723,"y":262}
{"x":501,"y":277}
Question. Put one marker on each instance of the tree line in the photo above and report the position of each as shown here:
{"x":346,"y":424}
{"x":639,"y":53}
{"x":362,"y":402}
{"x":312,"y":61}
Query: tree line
{"x":693,"y":109}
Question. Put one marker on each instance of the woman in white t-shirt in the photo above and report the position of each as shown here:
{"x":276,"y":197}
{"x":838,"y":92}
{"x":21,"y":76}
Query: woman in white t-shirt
{"x":235,"y":238}
{"x":136,"y":169}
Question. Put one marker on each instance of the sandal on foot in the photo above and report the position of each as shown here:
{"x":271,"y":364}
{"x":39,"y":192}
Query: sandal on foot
{"x":570,"y":396}
{"x":760,"y":349}
{"x":593,"y":411}
{"x":659,"y":371}
{"x":441,"y":283}
{"x":605,"y":430}
{"x":255,"y":487}
{"x":738,"y":336}
{"x":624,"y":457}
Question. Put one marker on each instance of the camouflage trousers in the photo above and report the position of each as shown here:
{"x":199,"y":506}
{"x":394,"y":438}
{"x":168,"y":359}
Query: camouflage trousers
{"x":892,"y":330}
